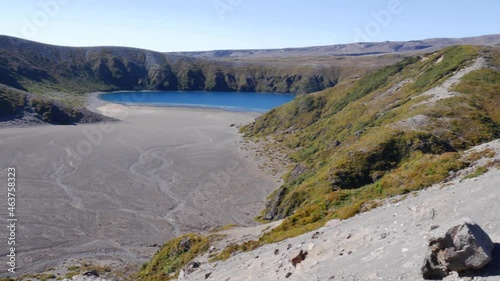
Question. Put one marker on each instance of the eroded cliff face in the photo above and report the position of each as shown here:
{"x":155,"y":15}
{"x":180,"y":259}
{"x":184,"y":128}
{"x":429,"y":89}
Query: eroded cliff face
{"x":40,"y":68}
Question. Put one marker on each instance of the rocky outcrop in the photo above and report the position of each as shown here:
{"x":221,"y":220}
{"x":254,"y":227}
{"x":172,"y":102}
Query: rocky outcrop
{"x":463,"y":247}
{"x":272,"y":211}
{"x":21,"y":109}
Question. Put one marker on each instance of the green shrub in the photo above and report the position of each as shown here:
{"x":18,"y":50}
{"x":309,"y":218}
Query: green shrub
{"x":173,"y":256}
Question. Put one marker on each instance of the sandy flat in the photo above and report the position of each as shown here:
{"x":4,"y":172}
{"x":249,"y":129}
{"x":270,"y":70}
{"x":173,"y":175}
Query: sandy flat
{"x":111,"y":191}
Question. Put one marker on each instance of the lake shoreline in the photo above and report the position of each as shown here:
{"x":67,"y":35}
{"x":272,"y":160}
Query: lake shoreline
{"x":260,"y":102}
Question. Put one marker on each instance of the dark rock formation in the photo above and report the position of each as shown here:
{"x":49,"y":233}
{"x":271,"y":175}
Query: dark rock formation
{"x":273,"y":203}
{"x":463,"y":247}
{"x":299,"y":258}
{"x":91,"y":273}
{"x":192,"y":266}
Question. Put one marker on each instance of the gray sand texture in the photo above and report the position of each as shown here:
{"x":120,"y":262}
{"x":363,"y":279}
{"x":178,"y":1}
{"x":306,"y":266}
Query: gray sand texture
{"x":118,"y":190}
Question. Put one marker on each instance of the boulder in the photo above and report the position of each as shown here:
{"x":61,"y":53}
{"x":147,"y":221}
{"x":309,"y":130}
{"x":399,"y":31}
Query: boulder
{"x":465,"y":246}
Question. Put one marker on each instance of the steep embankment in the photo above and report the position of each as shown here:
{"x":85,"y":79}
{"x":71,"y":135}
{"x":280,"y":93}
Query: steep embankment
{"x":391,"y":132}
{"x":21,"y":109}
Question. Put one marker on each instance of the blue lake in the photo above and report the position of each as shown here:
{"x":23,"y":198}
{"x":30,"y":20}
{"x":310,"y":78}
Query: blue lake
{"x":232,"y":101}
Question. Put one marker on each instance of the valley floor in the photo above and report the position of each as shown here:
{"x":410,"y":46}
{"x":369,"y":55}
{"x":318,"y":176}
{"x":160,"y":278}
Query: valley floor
{"x":115,"y":192}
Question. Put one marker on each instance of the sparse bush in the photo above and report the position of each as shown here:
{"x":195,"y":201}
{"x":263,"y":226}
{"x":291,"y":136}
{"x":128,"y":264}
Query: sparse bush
{"x":478,"y":172}
{"x":173,"y":256}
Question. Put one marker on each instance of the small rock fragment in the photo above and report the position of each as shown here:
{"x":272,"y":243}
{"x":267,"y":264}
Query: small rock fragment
{"x":434,"y":226}
{"x":192,"y":266}
{"x":299,"y":258}
{"x":91,"y":273}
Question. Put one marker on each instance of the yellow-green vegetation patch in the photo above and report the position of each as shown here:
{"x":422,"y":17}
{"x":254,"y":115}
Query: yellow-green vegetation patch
{"x":70,"y":274}
{"x":476,"y":155}
{"x":421,"y":171}
{"x":452,"y":59}
{"x":234,"y":248}
{"x":173,"y":256}
{"x":225,"y":227}
{"x":73,"y":267}
{"x":38,"y":276}
{"x":478,"y":172}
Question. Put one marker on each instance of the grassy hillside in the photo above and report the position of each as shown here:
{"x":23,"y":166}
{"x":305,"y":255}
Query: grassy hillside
{"x":368,"y":139}
{"x":65,"y":73}
{"x":378,"y":137}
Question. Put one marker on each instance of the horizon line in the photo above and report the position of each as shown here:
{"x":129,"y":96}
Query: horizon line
{"x":248,"y":49}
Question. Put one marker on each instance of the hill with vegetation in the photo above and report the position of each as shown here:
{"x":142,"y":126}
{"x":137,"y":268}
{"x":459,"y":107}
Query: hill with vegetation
{"x":65,"y":74}
{"x":19,"y":108}
{"x":394,"y":131}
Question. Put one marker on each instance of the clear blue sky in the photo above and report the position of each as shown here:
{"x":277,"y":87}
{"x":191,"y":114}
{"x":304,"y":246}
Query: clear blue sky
{"x":187,"y":25}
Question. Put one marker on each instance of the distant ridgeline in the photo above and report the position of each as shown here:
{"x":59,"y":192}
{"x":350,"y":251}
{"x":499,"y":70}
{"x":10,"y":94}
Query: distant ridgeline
{"x":41,"y":68}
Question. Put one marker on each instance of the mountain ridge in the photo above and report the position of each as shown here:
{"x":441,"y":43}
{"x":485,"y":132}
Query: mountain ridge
{"x":352,"y":49}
